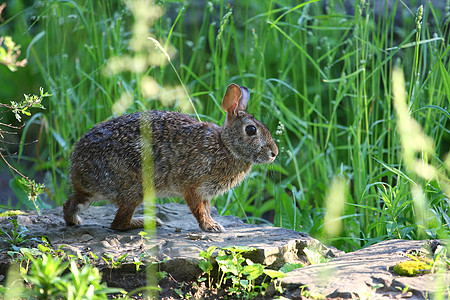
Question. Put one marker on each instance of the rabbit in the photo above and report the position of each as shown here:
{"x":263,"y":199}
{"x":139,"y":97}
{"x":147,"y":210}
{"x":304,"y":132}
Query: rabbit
{"x":191,"y":159}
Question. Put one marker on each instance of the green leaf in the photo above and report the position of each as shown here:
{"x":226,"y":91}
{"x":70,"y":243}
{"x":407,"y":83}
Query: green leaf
{"x":205,"y":266}
{"x":228,"y":266}
{"x":93,"y":255}
{"x":244,"y":283}
{"x":239,"y":249}
{"x":122,"y":257}
{"x":446,"y":78}
{"x":207,"y":254}
{"x":274,"y":274}
{"x":253,"y":271}
{"x":43,"y":248}
{"x":314,"y":256}
{"x":25,"y":112}
{"x":289,"y":267}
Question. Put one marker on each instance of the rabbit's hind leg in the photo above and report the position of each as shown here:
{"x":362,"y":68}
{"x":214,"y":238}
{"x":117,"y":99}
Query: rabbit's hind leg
{"x":124,"y":218}
{"x":76,"y":203}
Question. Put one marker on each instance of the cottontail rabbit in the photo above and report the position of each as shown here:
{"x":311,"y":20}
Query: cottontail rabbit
{"x":192,"y":159}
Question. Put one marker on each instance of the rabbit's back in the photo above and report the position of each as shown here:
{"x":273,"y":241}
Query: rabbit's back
{"x":186,"y":153}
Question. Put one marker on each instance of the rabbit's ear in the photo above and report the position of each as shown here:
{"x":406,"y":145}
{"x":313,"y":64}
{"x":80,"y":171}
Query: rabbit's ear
{"x":243,"y":100}
{"x":235,"y":99}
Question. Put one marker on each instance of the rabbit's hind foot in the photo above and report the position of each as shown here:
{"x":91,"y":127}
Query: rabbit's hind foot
{"x":134,"y":224}
{"x":124,"y":219}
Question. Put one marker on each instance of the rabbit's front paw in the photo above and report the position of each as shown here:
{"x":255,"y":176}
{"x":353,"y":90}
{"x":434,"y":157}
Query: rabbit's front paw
{"x":212,"y":227}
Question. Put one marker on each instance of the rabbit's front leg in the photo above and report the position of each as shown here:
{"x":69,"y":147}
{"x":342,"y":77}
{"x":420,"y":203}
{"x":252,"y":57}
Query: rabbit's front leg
{"x":201,"y":209}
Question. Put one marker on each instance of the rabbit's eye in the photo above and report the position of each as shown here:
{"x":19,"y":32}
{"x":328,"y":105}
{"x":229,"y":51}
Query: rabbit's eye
{"x":250,"y":130}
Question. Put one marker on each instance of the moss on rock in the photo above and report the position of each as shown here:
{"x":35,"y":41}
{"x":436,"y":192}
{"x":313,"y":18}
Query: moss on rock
{"x":12,"y":213}
{"x":411,"y":268}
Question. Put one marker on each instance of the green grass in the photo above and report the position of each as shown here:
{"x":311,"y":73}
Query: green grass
{"x":321,"y":72}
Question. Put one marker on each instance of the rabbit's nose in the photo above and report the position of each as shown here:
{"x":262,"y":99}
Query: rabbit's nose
{"x":274,"y":152}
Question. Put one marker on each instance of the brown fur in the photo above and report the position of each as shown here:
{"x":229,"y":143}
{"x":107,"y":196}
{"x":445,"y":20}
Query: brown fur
{"x":191,"y":159}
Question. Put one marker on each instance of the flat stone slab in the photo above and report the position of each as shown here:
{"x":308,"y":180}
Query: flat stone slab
{"x":177,"y":243}
{"x":367,"y":273}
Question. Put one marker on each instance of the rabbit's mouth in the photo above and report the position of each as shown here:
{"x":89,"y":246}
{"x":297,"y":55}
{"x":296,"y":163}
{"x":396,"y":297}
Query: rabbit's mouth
{"x":270,"y":159}
{"x":271,"y":154}
{"x":266,"y":159}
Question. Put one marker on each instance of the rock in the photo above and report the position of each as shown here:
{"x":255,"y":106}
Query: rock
{"x":177,"y":243}
{"x":367,"y":273}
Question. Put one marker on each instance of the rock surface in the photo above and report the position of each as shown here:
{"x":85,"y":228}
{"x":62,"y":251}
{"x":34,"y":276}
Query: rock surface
{"x":177,"y":243}
{"x":367,"y":273}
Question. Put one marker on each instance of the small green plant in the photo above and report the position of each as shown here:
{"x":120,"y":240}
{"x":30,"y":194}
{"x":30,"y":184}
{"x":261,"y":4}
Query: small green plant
{"x":161,"y":275}
{"x":231,"y":265}
{"x":21,"y":256}
{"x":137,"y":261}
{"x":52,"y":274}
{"x":274,"y":275}
{"x":86,"y":282}
{"x":32,"y":189}
{"x":440,"y":259}
{"x":314,"y":256}
{"x":239,"y":274}
{"x":30,"y":101}
{"x":206,"y":265}
{"x":16,"y":236}
{"x":112,"y":262}
{"x":240,"y":271}
{"x":49,"y":283}
{"x":10,"y":52}
{"x":404,"y":289}
{"x":143,"y":235}
{"x":44,"y":274}
{"x":289,"y":267}
{"x":85,"y":259}
{"x":305,"y":292}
